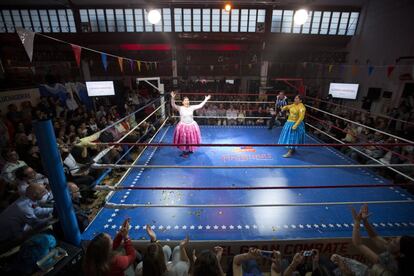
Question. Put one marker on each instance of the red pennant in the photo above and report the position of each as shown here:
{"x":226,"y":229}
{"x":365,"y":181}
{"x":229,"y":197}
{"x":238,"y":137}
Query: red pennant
{"x":390,"y":69}
{"x":77,"y":52}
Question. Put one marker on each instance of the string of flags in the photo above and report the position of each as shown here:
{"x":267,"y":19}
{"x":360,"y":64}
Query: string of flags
{"x":27,"y":39}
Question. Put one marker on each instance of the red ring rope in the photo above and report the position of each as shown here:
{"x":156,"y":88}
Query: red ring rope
{"x":258,"y":145}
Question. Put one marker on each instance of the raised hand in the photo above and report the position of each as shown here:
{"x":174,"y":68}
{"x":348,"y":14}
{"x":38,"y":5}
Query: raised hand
{"x":208,"y":97}
{"x":219,"y":252}
{"x":151,"y":233}
{"x":124,"y":231}
{"x":356,"y":216}
{"x":363,"y":212}
{"x":173,"y":94}
{"x":184,"y":242}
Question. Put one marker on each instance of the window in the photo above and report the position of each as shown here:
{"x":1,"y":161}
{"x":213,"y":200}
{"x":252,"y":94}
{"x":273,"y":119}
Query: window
{"x":139,"y":23}
{"x":2,"y":25}
{"x":129,"y":20}
{"x":166,"y":20}
{"x":276,"y":21}
{"x":26,"y":19}
{"x":244,"y":19}
{"x":110,"y":20}
{"x":306,"y":26}
{"x":148,"y":25}
{"x":120,"y":21}
{"x":178,"y":20}
{"x":316,"y":21}
{"x":215,"y":23}
{"x":8,"y":21}
{"x":206,"y":20}
{"x":235,"y":20}
{"x":16,"y":18}
{"x":100,"y":14}
{"x":64,"y":24}
{"x":334,"y":23}
{"x":196,"y":20}
{"x":187,"y":20}
{"x":343,"y":23}
{"x":45,"y":21}
{"x":71,"y":20}
{"x":37,"y":27}
{"x":252,"y":20}
{"x":93,"y":20}
{"x":353,"y":21}
{"x":158,"y":26}
{"x":287,"y":21}
{"x":225,"y":20}
{"x":325,"y":22}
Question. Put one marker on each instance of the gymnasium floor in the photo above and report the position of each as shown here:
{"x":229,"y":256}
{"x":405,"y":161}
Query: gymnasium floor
{"x":256,"y":223}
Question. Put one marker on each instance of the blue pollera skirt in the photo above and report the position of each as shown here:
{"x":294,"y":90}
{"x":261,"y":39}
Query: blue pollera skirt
{"x":290,"y":136}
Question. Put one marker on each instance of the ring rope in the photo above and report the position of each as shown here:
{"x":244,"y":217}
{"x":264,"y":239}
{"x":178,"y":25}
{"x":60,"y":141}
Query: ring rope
{"x":262,"y":145}
{"x":344,"y":131}
{"x":105,"y":151}
{"x":225,"y":117}
{"x":239,"y":102}
{"x":359,"y":124}
{"x":235,"y":188}
{"x":360,"y":110}
{"x":363,"y":153}
{"x":133,"y":206}
{"x":328,"y":166}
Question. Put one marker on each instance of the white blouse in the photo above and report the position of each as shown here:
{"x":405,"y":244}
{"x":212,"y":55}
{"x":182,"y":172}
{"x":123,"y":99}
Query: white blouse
{"x":186,"y":113}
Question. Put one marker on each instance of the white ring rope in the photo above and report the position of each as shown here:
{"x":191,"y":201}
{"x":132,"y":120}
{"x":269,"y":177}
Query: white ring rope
{"x":246,"y":102}
{"x":105,"y":151}
{"x":366,"y":155}
{"x":133,"y":206}
{"x":359,"y":124}
{"x":343,"y":166}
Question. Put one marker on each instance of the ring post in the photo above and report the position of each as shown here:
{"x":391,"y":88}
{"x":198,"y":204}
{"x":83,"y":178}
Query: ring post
{"x":52,"y":163}
{"x":161,"y":89}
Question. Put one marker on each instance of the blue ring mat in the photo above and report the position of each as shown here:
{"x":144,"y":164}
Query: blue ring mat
{"x":256,"y":223}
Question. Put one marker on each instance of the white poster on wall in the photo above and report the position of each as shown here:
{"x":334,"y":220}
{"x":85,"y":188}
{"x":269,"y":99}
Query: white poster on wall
{"x":17,"y":97}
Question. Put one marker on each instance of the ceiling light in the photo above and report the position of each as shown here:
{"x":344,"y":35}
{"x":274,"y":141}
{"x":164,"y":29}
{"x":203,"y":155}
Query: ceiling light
{"x":154,"y":16}
{"x":300,"y":17}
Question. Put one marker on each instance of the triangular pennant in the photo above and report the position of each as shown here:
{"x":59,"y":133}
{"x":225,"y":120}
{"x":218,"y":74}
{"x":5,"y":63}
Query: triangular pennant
{"x":104,"y":59}
{"x":131,"y":65}
{"x":354,"y":69}
{"x":370,"y":70}
{"x":330,"y":68}
{"x":121,"y":64}
{"x":77,"y":52}
{"x":390,"y":69}
{"x":155,"y":66}
{"x":27,"y":39}
{"x":139,"y":65}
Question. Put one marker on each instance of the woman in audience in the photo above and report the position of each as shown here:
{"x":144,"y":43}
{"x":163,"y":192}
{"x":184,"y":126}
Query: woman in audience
{"x":397,"y":256}
{"x":208,"y":263}
{"x":156,"y":261}
{"x":101,"y":258}
{"x":246,"y":264}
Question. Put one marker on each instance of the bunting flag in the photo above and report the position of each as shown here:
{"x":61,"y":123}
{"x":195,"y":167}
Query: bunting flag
{"x":131,"y":65}
{"x":155,"y":66}
{"x":27,"y":39}
{"x":139,"y":65}
{"x":330,"y":68}
{"x":211,"y":67}
{"x":77,"y":52}
{"x":354,"y":69}
{"x":370,"y":70}
{"x":148,"y":66}
{"x":250,"y":66}
{"x":121,"y":64}
{"x":104,"y":59}
{"x":390,"y":69}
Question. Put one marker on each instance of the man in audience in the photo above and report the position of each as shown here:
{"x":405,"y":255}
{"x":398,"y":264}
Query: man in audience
{"x":12,"y":164}
{"x":24,"y":214}
{"x":26,"y":176}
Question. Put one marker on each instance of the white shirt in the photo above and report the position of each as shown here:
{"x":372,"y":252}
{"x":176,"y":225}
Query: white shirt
{"x":71,"y":104}
{"x":231,"y":114}
{"x":39,"y":179}
{"x":186,"y":113}
{"x":9,"y":170}
{"x":71,"y":163}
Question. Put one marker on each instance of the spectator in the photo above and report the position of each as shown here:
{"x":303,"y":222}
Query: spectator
{"x":397,"y":256}
{"x":24,"y":214}
{"x":101,"y":258}
{"x":246,"y":264}
{"x":33,"y":159}
{"x":26,"y":176}
{"x":156,"y":259}
{"x":81,"y":215}
{"x":231,"y":115}
{"x":12,"y":164}
{"x":221,"y":112}
{"x":208,"y":263}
